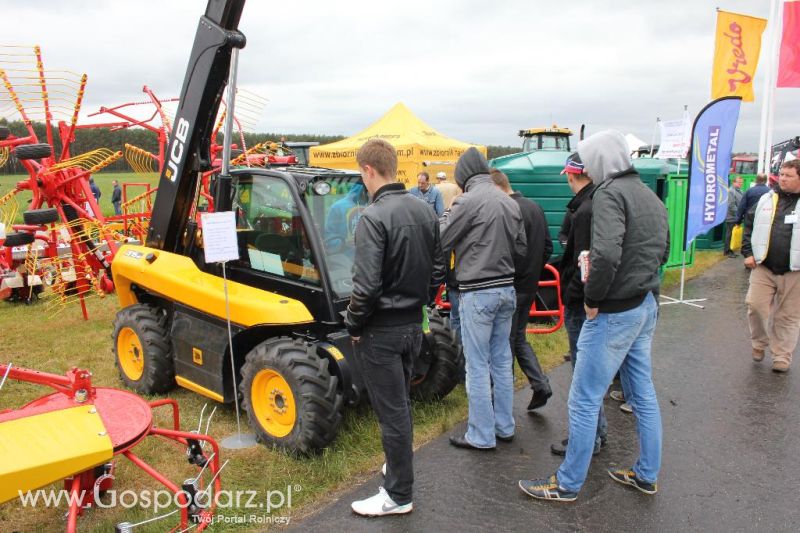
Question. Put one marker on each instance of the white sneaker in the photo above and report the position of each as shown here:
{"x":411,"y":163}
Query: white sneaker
{"x":380,"y":505}
{"x":383,"y":470}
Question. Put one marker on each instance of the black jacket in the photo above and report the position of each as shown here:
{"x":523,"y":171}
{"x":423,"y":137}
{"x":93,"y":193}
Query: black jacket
{"x":749,"y":200}
{"x":528,"y":267}
{"x":578,"y":220}
{"x":398,"y":262}
{"x":630,"y":241}
{"x":116,"y":194}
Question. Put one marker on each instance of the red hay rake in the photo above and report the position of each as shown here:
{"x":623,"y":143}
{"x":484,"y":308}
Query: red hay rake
{"x":63,"y":215}
{"x":75,"y":433}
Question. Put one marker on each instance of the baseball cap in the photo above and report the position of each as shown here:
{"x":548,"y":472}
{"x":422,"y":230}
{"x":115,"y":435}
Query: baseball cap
{"x":574,"y":165}
{"x":441,"y":176}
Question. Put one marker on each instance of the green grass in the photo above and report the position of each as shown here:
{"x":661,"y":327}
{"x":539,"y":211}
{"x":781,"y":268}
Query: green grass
{"x":54,"y":344}
{"x":703,"y":260}
{"x":103,"y":180}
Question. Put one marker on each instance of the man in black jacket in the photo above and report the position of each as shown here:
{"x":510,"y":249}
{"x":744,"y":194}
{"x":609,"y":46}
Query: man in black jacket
{"x":578,"y":219}
{"x":527,"y":271}
{"x":751,"y":197}
{"x":398,"y":268}
{"x":629,"y":244}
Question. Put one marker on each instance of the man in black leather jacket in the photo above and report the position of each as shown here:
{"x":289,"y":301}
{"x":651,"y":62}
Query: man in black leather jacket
{"x":398,"y":268}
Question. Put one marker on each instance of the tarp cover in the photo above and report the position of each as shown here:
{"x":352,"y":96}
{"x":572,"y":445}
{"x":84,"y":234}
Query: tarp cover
{"x":419,"y":147}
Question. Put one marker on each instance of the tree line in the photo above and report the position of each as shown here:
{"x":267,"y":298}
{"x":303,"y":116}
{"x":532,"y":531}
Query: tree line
{"x":92,"y":138}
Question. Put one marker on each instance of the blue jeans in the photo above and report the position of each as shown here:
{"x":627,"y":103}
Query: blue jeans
{"x":611,"y":342}
{"x":573,"y":321}
{"x":485,"y":328}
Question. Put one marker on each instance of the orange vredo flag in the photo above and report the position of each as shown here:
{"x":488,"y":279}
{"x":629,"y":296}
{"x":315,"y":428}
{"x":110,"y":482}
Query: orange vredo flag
{"x":738,"y":44}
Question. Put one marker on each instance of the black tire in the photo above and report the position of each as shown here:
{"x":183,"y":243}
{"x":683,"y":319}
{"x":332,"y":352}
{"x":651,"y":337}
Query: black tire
{"x":4,"y":133}
{"x":33,"y":151}
{"x":315,"y":395}
{"x":40,"y":217}
{"x":441,"y":362}
{"x":149,"y":325}
{"x":18,"y":238}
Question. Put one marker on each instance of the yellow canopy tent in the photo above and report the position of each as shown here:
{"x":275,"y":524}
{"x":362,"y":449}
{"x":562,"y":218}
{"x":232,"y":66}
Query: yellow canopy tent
{"x":419,"y":147}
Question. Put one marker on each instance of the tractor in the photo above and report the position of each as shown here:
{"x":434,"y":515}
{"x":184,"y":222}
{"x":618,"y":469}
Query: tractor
{"x":289,"y":355}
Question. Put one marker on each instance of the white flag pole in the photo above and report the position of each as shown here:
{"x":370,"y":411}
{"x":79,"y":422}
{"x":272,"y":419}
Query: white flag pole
{"x":653,"y":142}
{"x":680,"y":300}
{"x":766,"y":93}
{"x":775,"y":52}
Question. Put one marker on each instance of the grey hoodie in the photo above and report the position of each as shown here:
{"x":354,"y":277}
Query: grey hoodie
{"x":484,"y":226}
{"x":603,"y":154}
{"x":629,"y":228}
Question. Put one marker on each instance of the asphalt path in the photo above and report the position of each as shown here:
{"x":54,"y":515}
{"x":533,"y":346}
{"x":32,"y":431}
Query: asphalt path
{"x":731,"y":445}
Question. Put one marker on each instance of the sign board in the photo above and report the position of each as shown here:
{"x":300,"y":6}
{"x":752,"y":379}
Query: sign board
{"x":675,"y":138}
{"x":219,"y":237}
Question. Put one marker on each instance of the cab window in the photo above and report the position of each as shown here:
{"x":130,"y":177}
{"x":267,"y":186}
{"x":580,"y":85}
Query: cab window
{"x":270,"y":229}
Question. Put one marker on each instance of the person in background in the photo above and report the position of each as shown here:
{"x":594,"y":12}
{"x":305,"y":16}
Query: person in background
{"x":398,"y":268}
{"x":629,"y":244}
{"x":771,"y":247}
{"x":751,"y":196}
{"x":116,"y":198}
{"x":95,"y":189}
{"x":427,"y":192}
{"x":528,"y":269}
{"x":484,"y":227}
{"x":578,"y":221}
{"x":734,"y":199}
{"x":448,"y":190}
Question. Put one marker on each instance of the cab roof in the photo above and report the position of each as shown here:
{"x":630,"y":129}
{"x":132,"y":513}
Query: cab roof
{"x":554,"y":130}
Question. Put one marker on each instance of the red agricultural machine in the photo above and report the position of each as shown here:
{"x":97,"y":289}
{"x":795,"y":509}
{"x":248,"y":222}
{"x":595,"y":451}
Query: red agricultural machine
{"x":63,"y":239}
{"x":75,"y":433}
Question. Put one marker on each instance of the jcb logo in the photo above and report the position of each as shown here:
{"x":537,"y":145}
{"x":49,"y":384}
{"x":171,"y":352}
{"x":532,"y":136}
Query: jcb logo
{"x":178,"y":146}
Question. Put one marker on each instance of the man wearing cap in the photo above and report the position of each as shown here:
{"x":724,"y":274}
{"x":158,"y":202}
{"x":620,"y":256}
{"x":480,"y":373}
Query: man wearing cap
{"x":578,"y":224}
{"x":448,"y":189}
{"x":427,"y":192}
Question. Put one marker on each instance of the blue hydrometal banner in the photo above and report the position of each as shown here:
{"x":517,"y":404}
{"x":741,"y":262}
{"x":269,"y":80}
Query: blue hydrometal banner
{"x":712,"y":146}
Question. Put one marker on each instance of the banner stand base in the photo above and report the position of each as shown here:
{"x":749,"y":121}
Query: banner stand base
{"x":679,"y":299}
{"x":239,"y":441}
{"x":691,"y":302}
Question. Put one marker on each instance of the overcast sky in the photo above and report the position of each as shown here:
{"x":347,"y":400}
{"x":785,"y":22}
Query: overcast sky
{"x":475,"y":71}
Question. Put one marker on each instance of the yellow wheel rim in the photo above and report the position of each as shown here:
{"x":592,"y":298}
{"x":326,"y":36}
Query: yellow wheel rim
{"x":273,"y":403}
{"x":130,"y":354}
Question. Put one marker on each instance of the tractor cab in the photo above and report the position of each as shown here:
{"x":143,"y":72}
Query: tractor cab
{"x":743,"y":164}
{"x":554,"y":138}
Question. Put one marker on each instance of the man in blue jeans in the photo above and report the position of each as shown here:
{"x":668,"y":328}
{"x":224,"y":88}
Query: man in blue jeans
{"x":578,"y":237}
{"x":484,"y":227}
{"x":629,"y":243}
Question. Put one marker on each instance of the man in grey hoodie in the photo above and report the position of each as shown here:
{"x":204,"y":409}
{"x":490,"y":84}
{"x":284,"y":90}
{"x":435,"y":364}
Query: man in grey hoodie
{"x":629,"y":244}
{"x":484,"y":227}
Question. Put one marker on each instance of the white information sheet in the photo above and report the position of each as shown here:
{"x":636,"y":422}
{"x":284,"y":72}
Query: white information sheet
{"x":219,"y":237}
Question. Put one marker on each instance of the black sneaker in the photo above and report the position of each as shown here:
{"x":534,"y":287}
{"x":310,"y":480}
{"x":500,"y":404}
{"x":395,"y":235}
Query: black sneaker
{"x":547,"y":489}
{"x":629,"y":477}
{"x":539,"y":399}
{"x":560,"y":448}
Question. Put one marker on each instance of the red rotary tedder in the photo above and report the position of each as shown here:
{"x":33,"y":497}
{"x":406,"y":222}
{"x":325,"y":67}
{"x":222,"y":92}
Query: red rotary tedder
{"x":74,"y":433}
